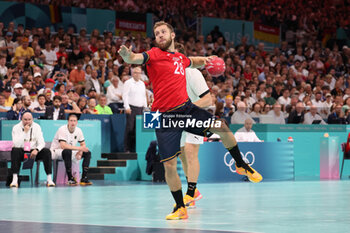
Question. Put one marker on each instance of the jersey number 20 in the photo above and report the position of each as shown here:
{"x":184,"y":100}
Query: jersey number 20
{"x":179,"y":68}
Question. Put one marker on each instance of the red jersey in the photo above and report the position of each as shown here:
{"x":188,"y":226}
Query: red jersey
{"x":166,"y":71}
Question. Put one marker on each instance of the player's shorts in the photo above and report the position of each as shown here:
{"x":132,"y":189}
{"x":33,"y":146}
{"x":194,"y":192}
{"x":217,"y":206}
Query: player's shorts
{"x":190,"y":138}
{"x":57,"y":154}
{"x":169,"y":138}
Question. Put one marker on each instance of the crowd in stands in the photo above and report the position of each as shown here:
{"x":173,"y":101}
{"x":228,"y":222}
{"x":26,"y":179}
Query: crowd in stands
{"x":302,"y":18}
{"x":302,"y":82}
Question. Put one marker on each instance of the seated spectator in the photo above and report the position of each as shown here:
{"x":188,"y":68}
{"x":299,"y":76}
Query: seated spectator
{"x":240,"y":115}
{"x":256,"y":110}
{"x":77,"y":77}
{"x":102,"y":108}
{"x":61,"y":66}
{"x":17,"y":91}
{"x":56,"y":110}
{"x":284,"y":99}
{"x":3,"y":108}
{"x":246,"y":134}
{"x":60,"y":89}
{"x":69,"y":105}
{"x":277,"y":114}
{"x":26,"y":103}
{"x":23,"y":51}
{"x":268,"y":98}
{"x":114,"y":95}
{"x":40,"y":106}
{"x":229,"y":108}
{"x":38,"y":82}
{"x":91,"y":109}
{"x":8,"y":98}
{"x":337,"y":116}
{"x":297,"y":115}
{"x":82,"y":104}
{"x":65,"y":146}
{"x":16,"y":111}
{"x":50,"y":56}
{"x":29,"y":131}
{"x":94,"y":83}
{"x":312,"y":117}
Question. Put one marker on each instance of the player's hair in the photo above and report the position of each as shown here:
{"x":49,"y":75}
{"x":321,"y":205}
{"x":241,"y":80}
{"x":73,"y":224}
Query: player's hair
{"x":160,"y":23}
{"x":180,"y":47}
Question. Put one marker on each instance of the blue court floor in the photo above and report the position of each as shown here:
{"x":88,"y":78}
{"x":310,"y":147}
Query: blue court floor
{"x":141,"y":207}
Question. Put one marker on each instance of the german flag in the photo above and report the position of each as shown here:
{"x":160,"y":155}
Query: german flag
{"x":55,"y":14}
{"x":266,"y":33}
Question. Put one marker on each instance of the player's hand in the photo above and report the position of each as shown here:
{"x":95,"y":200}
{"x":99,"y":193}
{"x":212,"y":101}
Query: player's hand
{"x":208,"y":59}
{"x":78,"y":155}
{"x":33,"y":154}
{"x":128,"y":111}
{"x":84,"y":149}
{"x":124,"y":51}
{"x":26,"y":128}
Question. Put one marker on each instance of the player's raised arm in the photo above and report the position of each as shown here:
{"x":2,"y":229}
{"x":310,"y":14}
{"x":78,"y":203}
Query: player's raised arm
{"x":129,"y":56}
{"x":200,"y":61}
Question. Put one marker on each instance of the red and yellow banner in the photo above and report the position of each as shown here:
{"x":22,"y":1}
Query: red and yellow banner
{"x":134,"y":23}
{"x":266,"y":33}
{"x":55,"y":14}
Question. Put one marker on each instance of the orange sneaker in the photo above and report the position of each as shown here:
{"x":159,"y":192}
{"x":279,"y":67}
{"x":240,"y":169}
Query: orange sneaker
{"x":197,"y":195}
{"x":180,"y":213}
{"x":189,"y":201}
{"x":254,"y":177}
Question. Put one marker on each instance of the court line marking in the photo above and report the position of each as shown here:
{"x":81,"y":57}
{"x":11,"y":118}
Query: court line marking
{"x":27,"y":221}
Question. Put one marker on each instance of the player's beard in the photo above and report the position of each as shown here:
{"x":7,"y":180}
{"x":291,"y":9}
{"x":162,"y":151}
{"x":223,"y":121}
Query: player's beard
{"x":165,"y":46}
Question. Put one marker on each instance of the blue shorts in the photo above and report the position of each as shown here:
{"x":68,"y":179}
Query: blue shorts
{"x":169,"y":138}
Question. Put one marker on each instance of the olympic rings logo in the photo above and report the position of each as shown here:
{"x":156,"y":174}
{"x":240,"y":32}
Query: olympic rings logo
{"x":246,"y":157}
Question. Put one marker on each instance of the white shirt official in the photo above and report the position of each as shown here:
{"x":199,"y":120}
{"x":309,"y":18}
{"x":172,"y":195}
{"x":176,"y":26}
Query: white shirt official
{"x":242,"y":135}
{"x":309,"y":118}
{"x":134,"y":93}
{"x":34,"y":136}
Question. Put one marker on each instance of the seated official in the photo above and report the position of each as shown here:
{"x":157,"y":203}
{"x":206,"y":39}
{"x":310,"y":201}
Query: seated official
{"x":246,"y":134}
{"x":28,"y":137}
{"x":337,"y":116}
{"x":64,"y":146}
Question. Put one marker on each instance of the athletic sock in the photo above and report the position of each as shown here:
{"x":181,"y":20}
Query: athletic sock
{"x":191,"y":188}
{"x":178,"y":197}
{"x":236,"y":155}
{"x":14,"y":179}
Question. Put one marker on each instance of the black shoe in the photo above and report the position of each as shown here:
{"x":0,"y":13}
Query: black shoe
{"x":84,"y":181}
{"x":72,"y":182}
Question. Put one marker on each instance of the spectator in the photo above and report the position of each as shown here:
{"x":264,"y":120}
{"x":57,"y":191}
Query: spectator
{"x":26,"y":103}
{"x":16,"y":111}
{"x":297,"y":115}
{"x":240,"y":115}
{"x":29,"y":131}
{"x":55,"y":111}
{"x":64,"y":146}
{"x":8,"y":98}
{"x":277,"y":114}
{"x":40,"y":106}
{"x":284,"y":99}
{"x":23,"y":51}
{"x":102,"y":108}
{"x":7,"y":46}
{"x":256,"y":110}
{"x":115,"y":95}
{"x":17,"y":91}
{"x":91,"y":109}
{"x":3,"y":108}
{"x":50,"y":56}
{"x":268,"y":98}
{"x":69,"y":105}
{"x":77,"y":77}
{"x":229,"y":108}
{"x":312,"y":117}
{"x":82,"y":104}
{"x":60,"y":67}
{"x":337,"y":116}
{"x":246,"y":134}
{"x":94,"y":83}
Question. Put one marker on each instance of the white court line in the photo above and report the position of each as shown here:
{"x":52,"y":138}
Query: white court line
{"x":27,"y":221}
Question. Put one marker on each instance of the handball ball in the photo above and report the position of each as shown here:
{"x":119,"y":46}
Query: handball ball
{"x":216,"y":66}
